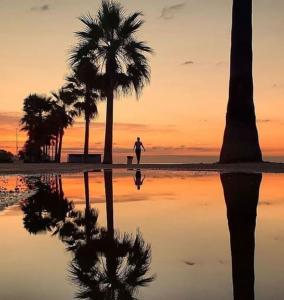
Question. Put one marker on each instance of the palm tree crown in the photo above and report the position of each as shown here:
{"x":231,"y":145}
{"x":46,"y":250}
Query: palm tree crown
{"x":109,"y":41}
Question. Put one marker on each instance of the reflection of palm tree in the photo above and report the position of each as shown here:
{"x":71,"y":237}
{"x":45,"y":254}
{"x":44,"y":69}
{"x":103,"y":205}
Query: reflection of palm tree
{"x":106,"y":264}
{"x":80,"y":228}
{"x":241,"y":193}
{"x":120,"y":262}
{"x":48,"y":206}
{"x":120,"y":268}
{"x":241,"y":138}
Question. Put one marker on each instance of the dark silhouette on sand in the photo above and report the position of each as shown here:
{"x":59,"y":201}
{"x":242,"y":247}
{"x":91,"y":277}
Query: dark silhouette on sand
{"x":241,"y":193}
{"x":109,"y":40}
{"x":241,"y":142}
{"x":138,"y":180}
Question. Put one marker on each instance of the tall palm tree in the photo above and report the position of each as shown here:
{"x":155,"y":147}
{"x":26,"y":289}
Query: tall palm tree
{"x":241,"y":193}
{"x":109,"y":41}
{"x":241,"y":142}
{"x":63,"y":116}
{"x":85,"y":83}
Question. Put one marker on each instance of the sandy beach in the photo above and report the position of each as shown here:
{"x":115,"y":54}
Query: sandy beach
{"x":30,"y":169}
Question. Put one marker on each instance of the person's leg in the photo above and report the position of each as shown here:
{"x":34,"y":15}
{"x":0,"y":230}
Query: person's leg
{"x":138,"y":155}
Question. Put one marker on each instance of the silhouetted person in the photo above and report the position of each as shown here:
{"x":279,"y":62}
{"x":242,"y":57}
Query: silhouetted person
{"x":241,"y":193}
{"x":138,"y":179}
{"x":138,"y":146}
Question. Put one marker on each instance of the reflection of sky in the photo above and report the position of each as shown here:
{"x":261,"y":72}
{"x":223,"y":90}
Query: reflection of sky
{"x":189,"y":70}
{"x":182,"y":217}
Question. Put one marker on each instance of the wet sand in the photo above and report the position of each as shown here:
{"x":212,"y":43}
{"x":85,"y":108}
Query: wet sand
{"x":22,"y":168}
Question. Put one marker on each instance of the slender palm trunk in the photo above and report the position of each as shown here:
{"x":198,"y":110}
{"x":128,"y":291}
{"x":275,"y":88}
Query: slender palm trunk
{"x":87,"y":208}
{"x":241,"y":193}
{"x":241,"y":142}
{"x":61,"y":134}
{"x":87,"y":135}
{"x":111,"y":260}
{"x":109,"y":201}
{"x":61,"y":193}
{"x":56,"y":147}
{"x":109,"y":129}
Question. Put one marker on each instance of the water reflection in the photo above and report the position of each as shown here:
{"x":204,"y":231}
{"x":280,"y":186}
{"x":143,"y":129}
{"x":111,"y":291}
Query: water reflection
{"x":138,"y":180}
{"x":105,"y":264}
{"x":47,"y":206}
{"x":241,"y":193}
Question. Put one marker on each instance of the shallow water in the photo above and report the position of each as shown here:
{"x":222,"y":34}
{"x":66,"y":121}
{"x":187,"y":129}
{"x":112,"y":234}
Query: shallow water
{"x":91,"y":234}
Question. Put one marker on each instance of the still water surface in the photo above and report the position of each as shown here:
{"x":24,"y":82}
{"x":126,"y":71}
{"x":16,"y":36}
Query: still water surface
{"x":153,"y":236}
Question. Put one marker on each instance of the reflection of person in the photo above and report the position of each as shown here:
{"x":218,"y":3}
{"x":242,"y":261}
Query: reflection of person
{"x":138,"y":179}
{"x":138,"y":146}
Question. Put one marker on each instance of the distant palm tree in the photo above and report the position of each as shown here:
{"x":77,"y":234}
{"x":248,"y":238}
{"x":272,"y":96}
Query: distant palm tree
{"x":241,"y":142}
{"x":63,"y":116}
{"x":85,"y":83}
{"x":109,"y":41}
{"x":36,"y":110}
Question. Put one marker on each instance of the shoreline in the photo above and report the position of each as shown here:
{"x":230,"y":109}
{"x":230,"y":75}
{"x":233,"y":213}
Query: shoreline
{"x":20,"y":168}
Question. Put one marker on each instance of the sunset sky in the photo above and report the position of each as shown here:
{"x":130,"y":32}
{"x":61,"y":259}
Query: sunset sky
{"x":183,"y":109}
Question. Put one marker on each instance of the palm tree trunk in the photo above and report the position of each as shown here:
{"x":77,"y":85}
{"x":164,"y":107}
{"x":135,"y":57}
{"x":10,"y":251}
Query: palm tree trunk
{"x":56,"y":147}
{"x":87,"y":135}
{"x":241,"y":142}
{"x":60,"y":144}
{"x":87,"y":208}
{"x":109,"y":129}
{"x":109,"y":201}
{"x":61,"y":193}
{"x":241,"y":193}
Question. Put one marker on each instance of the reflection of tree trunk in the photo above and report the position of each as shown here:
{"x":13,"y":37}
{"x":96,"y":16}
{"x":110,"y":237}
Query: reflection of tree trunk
{"x":241,"y":193}
{"x":56,"y":148}
{"x":87,"y":208}
{"x":109,"y":201}
{"x":241,"y":138}
{"x":111,"y":260}
{"x":60,"y":187}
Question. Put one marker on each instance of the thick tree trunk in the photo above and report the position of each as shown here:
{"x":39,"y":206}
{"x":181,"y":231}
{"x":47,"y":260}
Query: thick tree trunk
{"x":241,"y":142}
{"x":60,"y":144}
{"x":87,"y":135}
{"x":109,"y":130}
{"x":241,"y":193}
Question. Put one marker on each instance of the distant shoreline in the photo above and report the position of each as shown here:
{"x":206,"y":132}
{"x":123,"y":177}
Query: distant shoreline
{"x":63,"y":168}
